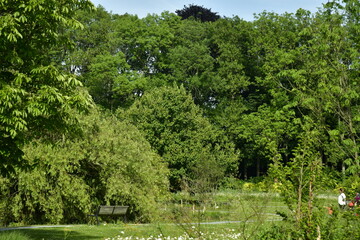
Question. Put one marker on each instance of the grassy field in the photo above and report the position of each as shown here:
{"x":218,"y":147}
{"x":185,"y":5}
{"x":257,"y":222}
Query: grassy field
{"x":225,"y":215}
{"x":228,"y":230}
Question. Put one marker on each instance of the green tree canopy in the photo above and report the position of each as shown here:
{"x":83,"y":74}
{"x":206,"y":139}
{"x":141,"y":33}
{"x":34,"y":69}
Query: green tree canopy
{"x":111,"y":163}
{"x":36,"y":98}
{"x":177,"y":130}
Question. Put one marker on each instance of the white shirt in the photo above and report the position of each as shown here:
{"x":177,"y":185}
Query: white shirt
{"x":342,"y":199}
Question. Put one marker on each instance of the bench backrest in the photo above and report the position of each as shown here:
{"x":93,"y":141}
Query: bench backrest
{"x":120,"y":210}
{"x":112,"y":210}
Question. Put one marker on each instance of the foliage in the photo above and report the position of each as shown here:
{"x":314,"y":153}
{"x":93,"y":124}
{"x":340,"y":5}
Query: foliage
{"x":111,"y":164}
{"x":35,"y":96}
{"x":198,"y":13}
{"x":92,"y":39}
{"x":213,"y":100}
{"x":191,"y":61}
{"x":49,"y":191}
{"x":339,"y":225}
{"x":197,"y":153}
{"x":13,"y":236}
{"x":111,"y":83}
{"x":299,"y":179}
{"x":351,"y":186}
{"x":230,"y":183}
{"x":255,"y":80}
{"x":282,"y":232}
{"x":115,"y":55}
{"x":127,"y":170}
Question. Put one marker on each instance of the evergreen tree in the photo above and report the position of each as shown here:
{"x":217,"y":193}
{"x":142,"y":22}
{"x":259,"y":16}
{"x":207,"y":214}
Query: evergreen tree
{"x":198,"y":13}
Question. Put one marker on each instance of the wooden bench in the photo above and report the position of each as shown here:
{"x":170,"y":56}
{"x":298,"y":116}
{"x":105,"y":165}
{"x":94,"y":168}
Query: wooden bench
{"x":110,"y":211}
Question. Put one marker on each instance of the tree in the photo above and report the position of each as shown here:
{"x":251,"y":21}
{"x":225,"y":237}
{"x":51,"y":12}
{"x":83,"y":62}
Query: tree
{"x":111,"y":163}
{"x":197,"y":153}
{"x":198,"y":13}
{"x":191,"y":63}
{"x":316,"y":72}
{"x":119,"y":57}
{"x":337,"y":54}
{"x":36,"y":98}
{"x":93,"y":39}
{"x":112,"y":83}
{"x":127,"y":170}
{"x":234,"y":91}
{"x":300,"y":179}
{"x":324,"y":80}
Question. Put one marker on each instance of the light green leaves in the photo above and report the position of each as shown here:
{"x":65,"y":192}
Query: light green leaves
{"x":36,"y":97}
{"x":111,"y":163}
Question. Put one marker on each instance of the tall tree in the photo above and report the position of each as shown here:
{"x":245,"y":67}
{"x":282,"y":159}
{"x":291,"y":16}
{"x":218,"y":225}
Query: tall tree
{"x":36,"y":98}
{"x":93,"y":39}
{"x":198,"y":154}
{"x":191,"y":63}
{"x":119,"y":57}
{"x":327,"y":86}
{"x":300,"y":179}
{"x":338,"y":51}
{"x":111,"y":81}
{"x":233,"y":88}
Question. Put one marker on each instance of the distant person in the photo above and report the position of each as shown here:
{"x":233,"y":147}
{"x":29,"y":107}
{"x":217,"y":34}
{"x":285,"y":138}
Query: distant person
{"x":342,"y":199}
{"x":357,"y":199}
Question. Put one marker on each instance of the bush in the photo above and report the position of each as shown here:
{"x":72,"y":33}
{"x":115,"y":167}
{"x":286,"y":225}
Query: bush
{"x":281,"y":231}
{"x":351,"y":186}
{"x":111,"y":164}
{"x":231,"y":183}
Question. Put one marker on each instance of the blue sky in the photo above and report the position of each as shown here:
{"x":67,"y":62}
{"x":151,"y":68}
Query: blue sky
{"x":229,"y":8}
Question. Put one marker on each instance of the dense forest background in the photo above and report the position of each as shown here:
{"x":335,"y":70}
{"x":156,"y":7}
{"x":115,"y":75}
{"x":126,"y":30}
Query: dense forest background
{"x":99,"y":108}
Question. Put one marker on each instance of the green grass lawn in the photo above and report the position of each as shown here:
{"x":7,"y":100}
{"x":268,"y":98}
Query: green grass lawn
{"x":76,"y":232}
{"x":141,"y":231}
{"x":235,"y":214}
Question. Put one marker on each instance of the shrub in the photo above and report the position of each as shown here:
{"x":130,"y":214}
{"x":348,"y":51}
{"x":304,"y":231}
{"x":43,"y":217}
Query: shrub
{"x":111,"y":164}
{"x":231,"y":183}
